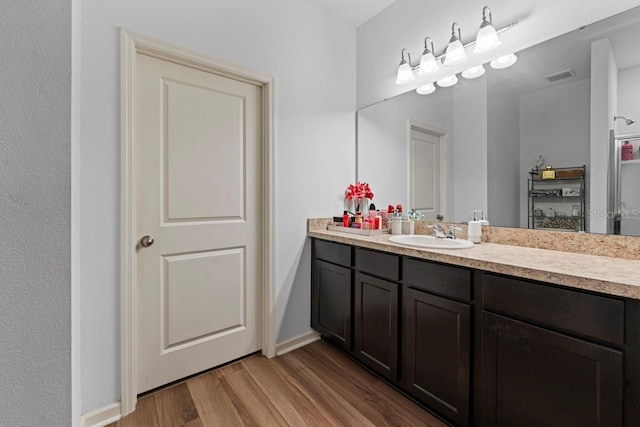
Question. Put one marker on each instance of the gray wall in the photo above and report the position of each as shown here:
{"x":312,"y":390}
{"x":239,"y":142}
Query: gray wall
{"x":503,"y":159}
{"x":35,"y":254}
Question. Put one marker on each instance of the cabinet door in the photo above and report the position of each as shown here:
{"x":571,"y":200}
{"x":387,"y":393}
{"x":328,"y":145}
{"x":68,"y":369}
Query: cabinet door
{"x":436,"y":347}
{"x":535,"y":377}
{"x":376,"y":324}
{"x":331,"y":302}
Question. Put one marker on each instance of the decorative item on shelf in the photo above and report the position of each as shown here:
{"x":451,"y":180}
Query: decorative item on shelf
{"x":569,"y":173}
{"x":359,"y":195}
{"x":549,"y":173}
{"x":539,"y":162}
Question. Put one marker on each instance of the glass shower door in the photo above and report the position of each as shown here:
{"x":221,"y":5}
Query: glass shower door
{"x":626,"y":206}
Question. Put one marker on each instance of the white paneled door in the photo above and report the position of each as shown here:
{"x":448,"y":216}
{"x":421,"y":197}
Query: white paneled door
{"x":425,"y":173}
{"x":198,"y":153}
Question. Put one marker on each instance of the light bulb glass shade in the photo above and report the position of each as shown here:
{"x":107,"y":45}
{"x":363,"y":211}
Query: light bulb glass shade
{"x":448,"y":81}
{"x":454,"y":54}
{"x":426,"y":89}
{"x":405,"y":74}
{"x":428,"y":63}
{"x":473,"y":72}
{"x":487,"y":38}
{"x":504,"y":61}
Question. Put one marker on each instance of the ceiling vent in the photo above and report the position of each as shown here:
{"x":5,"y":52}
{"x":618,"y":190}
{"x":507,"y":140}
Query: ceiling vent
{"x":560,"y":75}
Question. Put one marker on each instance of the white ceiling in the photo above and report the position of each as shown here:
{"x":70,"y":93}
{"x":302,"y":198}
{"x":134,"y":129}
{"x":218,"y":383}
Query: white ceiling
{"x":354,"y":12}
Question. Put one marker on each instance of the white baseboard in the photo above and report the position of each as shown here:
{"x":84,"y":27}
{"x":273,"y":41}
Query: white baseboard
{"x":296,"y":342}
{"x":101,"y":417}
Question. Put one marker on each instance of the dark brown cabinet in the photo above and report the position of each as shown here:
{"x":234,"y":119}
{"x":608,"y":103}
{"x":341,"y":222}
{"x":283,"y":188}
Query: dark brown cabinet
{"x":331,"y":290}
{"x":534,"y":377}
{"x":479,"y":348}
{"x":376,"y":324}
{"x":437,"y":348}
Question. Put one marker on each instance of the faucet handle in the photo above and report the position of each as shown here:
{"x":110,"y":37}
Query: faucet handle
{"x":451,"y":232}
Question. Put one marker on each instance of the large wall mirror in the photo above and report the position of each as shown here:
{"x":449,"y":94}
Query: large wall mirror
{"x":473,"y":145}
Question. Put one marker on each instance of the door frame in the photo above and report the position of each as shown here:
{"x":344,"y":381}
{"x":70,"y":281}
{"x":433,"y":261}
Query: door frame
{"x":443,"y":158}
{"x":131,"y":44}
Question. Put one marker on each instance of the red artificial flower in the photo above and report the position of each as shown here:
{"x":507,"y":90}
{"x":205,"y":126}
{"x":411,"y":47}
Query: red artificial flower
{"x":360,"y":190}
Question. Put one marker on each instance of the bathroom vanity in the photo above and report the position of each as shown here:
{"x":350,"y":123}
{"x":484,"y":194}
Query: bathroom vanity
{"x":494,"y":335}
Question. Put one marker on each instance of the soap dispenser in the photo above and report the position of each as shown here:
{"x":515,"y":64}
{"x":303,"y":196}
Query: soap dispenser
{"x":483,"y":219}
{"x":474,"y":231}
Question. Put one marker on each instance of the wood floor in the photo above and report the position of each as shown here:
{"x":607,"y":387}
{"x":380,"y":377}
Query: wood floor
{"x":312,"y":386}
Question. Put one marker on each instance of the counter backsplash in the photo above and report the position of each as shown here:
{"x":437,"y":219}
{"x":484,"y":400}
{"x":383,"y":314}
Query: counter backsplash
{"x":626,"y":247}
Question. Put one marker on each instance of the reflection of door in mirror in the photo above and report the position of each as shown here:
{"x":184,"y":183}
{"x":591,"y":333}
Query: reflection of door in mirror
{"x":426,"y":170}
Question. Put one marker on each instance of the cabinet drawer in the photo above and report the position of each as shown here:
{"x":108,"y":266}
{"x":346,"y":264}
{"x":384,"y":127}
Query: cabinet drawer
{"x":440,"y":279}
{"x":336,"y":253}
{"x":582,"y":313}
{"x":378,"y":264}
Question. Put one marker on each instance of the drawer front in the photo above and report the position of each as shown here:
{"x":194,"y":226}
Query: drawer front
{"x":378,"y":263}
{"x":586,"y":314}
{"x":336,"y":253}
{"x":440,"y":279}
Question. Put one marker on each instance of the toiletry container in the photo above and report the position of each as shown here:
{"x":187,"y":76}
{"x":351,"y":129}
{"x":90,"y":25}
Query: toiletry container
{"x":627,"y":151}
{"x":407,"y":225}
{"x":474,"y":230}
{"x":396,"y":224}
{"x":483,"y":219}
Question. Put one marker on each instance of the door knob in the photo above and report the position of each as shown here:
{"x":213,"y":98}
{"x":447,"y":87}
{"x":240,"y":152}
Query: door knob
{"x":146,"y":241}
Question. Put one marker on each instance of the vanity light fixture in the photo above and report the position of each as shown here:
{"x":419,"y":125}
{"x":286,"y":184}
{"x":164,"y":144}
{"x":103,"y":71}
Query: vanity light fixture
{"x":504,"y":61}
{"x":454,"y":53}
{"x":473,"y":72}
{"x":428,"y":63}
{"x":448,"y":81}
{"x":487,"y":38}
{"x":426,"y":89}
{"x":405,"y":73}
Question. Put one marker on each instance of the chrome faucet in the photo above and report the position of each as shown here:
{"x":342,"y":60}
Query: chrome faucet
{"x":438,"y":231}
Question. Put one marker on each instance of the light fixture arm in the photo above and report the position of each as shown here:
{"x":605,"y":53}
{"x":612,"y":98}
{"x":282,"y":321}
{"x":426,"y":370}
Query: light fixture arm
{"x":486,"y":22}
{"x":453,"y":32}
{"x":404,"y":49}
{"x":427,"y":41}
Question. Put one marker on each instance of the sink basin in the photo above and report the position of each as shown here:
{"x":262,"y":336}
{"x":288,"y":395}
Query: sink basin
{"x":429,"y":242}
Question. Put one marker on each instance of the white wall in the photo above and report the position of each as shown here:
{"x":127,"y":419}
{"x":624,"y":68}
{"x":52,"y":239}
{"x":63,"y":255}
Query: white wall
{"x":604,"y":75}
{"x":382,"y":136}
{"x":312,"y":57}
{"x":554,"y":123}
{"x":628,"y":100}
{"x":35,"y":213}
{"x":405,"y":24}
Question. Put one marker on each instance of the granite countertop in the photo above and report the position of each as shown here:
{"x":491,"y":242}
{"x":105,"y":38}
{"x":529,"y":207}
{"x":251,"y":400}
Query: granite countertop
{"x":608,"y":275}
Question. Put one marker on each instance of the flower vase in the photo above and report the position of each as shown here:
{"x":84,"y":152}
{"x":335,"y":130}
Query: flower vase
{"x":362,"y":205}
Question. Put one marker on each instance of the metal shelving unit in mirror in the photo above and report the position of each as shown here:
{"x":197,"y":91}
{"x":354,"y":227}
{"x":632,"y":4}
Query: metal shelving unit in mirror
{"x":557,"y":203}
